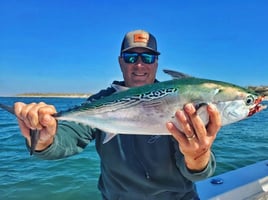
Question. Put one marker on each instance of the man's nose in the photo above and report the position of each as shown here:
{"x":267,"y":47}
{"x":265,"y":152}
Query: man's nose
{"x":139,"y":61}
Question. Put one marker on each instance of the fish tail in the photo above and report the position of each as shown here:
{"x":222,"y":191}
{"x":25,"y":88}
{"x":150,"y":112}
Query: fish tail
{"x":35,"y":135}
{"x":7,"y":108}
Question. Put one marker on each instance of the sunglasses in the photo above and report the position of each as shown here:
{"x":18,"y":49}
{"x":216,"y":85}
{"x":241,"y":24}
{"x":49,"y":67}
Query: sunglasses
{"x":133,"y":57}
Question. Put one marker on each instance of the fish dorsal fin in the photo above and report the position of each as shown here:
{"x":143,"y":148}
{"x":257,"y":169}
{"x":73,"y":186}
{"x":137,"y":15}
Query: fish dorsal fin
{"x":175,"y":74}
{"x":119,"y":88}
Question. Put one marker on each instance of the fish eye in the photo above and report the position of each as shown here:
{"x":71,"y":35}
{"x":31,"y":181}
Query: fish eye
{"x":250,"y":100}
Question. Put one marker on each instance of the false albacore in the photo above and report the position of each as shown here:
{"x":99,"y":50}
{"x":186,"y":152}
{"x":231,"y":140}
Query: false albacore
{"x":144,"y":110}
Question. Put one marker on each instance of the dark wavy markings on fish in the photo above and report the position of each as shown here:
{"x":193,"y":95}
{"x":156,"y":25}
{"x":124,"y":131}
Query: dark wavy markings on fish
{"x":155,"y":94}
{"x":148,"y":96}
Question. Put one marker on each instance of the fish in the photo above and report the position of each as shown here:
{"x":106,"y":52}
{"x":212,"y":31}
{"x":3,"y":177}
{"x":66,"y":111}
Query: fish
{"x":144,"y":110}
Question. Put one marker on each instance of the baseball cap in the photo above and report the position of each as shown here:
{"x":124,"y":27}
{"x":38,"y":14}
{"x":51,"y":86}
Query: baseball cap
{"x":139,"y":38}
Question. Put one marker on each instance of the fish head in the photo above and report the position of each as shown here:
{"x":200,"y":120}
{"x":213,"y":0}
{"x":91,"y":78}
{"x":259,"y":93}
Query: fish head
{"x":233,"y":102}
{"x":257,"y":106}
{"x":239,"y":105}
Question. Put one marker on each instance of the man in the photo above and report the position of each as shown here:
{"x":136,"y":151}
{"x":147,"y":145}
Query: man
{"x":133,"y":166}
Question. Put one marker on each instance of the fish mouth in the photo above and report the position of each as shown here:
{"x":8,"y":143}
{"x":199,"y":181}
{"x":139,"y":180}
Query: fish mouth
{"x":257,"y":106}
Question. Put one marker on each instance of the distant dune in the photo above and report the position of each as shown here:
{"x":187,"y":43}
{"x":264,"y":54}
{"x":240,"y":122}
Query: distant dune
{"x":59,"y":95}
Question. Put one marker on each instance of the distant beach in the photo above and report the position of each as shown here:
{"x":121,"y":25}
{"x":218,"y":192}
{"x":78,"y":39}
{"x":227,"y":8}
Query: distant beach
{"x":53,"y":95}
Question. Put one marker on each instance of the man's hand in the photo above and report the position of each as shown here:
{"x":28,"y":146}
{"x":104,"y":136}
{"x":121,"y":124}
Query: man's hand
{"x":37,"y":116}
{"x":195,"y":139}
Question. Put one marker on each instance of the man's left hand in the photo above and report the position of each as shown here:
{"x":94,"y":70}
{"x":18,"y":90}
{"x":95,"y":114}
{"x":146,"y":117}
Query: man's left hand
{"x":196,"y":138}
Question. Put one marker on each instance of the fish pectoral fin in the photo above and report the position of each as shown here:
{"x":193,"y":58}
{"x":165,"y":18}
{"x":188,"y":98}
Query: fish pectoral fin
{"x":108,"y":137}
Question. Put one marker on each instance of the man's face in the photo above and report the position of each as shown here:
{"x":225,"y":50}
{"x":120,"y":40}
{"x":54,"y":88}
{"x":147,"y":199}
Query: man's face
{"x":138,"y":73}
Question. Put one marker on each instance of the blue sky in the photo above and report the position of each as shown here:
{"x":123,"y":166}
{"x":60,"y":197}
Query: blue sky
{"x":73,"y":46}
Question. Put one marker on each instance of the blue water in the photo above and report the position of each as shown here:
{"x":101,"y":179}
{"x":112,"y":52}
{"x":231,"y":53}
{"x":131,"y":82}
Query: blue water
{"x":25,"y":177}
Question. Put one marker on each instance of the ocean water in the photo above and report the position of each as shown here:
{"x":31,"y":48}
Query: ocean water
{"x":25,"y":177}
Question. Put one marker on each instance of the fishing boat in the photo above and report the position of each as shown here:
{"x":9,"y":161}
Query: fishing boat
{"x":246,"y":183}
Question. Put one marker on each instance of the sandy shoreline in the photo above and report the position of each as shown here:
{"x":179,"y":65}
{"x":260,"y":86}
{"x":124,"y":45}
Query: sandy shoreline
{"x":53,"y":95}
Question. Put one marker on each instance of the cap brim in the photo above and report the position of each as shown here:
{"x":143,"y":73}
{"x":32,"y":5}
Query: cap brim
{"x":127,"y":49}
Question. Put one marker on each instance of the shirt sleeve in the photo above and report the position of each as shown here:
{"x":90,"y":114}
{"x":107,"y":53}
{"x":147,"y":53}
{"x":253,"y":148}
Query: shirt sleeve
{"x":197,"y":176}
{"x":194,"y":176}
{"x":71,"y":138}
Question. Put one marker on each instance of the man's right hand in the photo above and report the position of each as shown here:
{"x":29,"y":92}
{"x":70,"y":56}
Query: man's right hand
{"x":37,"y":116}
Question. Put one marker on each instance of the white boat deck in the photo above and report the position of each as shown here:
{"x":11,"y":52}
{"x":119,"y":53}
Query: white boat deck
{"x":247,"y":183}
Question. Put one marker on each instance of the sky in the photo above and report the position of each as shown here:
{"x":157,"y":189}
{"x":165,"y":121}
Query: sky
{"x":67,"y":46}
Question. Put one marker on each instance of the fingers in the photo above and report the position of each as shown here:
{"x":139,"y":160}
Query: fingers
{"x":45,"y":113}
{"x":186,"y":125}
{"x":34,"y":116}
{"x":29,"y":114}
{"x":197,"y":126}
{"x":37,"y":116}
{"x":214,"y":124}
{"x":18,"y":107}
{"x":47,"y":121}
{"x":178,"y":135}
{"x":191,"y":125}
{"x":195,"y":122}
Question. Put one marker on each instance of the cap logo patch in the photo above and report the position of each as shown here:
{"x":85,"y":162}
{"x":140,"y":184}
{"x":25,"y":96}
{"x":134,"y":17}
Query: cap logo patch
{"x":141,"y":37}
